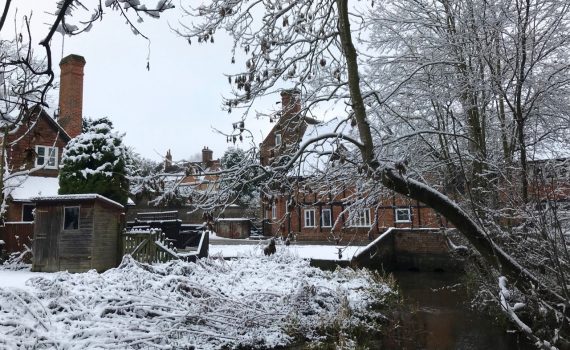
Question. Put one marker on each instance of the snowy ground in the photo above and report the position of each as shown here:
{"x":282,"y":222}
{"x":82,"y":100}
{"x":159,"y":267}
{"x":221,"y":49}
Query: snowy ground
{"x":322,"y":252}
{"x":253,"y":301}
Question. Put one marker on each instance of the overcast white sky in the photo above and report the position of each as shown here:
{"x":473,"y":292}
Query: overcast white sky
{"x":173,"y":106}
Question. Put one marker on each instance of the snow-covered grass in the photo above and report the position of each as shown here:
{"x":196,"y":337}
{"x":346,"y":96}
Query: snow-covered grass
{"x":250,"y":302}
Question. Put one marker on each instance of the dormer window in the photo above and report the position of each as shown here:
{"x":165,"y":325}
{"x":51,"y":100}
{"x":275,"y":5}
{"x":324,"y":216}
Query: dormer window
{"x":46,"y":157}
{"x":277,"y":140}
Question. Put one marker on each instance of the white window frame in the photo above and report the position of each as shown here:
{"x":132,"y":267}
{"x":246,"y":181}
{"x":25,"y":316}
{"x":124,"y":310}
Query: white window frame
{"x":323,"y":223}
{"x":398,"y":210}
{"x":309,"y":215}
{"x":49,"y":156}
{"x":274,"y":211}
{"x":278,"y":139}
{"x":360,"y":218}
{"x":78,"y":217}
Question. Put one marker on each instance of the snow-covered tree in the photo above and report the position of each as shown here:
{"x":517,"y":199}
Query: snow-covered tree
{"x":96,"y":162}
{"x":22,"y":88}
{"x":246,"y":193}
{"x":457,"y":79}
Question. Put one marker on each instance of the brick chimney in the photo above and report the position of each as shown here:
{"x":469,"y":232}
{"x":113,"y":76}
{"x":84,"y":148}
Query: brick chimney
{"x":168,"y":161}
{"x":290,"y":103}
{"x":71,"y":94}
{"x":207,"y":155}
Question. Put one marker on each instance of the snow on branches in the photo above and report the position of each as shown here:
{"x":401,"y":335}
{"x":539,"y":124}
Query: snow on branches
{"x":209,"y":305}
{"x":95,"y":162}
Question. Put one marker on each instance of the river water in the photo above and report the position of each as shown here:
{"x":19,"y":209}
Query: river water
{"x":438,"y":317}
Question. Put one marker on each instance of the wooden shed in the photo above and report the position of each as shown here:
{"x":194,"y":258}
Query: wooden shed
{"x":233,"y":227}
{"x":76,"y":233}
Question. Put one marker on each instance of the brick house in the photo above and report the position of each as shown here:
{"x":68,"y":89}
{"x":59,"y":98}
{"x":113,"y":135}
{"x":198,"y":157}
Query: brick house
{"x":312,"y":216}
{"x":34,"y":150}
{"x":172,"y":187}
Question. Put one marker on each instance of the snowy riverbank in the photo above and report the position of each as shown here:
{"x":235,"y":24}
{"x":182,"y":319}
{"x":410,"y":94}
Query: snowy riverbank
{"x":253,"y":301}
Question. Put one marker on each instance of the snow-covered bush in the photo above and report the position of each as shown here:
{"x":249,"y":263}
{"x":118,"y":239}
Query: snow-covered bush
{"x":251,"y":302}
{"x":95,"y":162}
{"x":239,"y":184}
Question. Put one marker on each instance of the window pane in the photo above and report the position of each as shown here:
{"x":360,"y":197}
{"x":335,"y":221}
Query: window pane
{"x":28,"y":212}
{"x":309,"y":217}
{"x":361,"y":218}
{"x":71,"y":218}
{"x":40,"y":158}
{"x":326,"y":219}
{"x":403,"y":214}
{"x":52,"y":156}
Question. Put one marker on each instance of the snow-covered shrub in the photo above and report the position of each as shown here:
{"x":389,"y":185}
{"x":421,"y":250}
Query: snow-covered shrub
{"x":95,"y":162}
{"x":248,"y":303}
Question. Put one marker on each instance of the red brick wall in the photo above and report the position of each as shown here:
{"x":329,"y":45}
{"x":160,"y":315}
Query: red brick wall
{"x":22,"y":154}
{"x":420,"y":242}
{"x":294,"y":221}
{"x":290,"y":125}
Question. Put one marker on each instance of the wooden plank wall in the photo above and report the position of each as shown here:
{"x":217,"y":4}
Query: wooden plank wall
{"x":75,"y":245}
{"x":15,"y":235}
{"x":45,"y":248}
{"x":106,"y":238}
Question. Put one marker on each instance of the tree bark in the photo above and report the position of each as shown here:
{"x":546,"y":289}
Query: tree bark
{"x":354,"y":83}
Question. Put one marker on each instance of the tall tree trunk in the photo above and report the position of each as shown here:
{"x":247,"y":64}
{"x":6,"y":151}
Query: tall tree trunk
{"x":354,"y":82}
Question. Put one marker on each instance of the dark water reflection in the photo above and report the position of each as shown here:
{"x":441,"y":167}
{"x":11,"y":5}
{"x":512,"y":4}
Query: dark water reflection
{"x":440,"y":318}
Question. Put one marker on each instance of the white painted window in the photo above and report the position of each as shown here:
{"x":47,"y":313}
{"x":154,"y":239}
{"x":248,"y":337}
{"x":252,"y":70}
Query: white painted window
{"x":403,"y":215}
{"x":326,"y":218}
{"x":274,"y":211}
{"x":277,"y":139}
{"x":360,"y":218}
{"x":46,"y":157}
{"x":309,"y":217}
{"x":71,"y":218}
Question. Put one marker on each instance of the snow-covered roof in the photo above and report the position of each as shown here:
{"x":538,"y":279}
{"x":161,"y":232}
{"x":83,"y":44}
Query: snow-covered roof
{"x":23,"y":188}
{"x":317,"y":155}
{"x":76,"y":197}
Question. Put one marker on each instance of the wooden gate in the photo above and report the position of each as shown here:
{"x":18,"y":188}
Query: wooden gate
{"x":148,"y":246}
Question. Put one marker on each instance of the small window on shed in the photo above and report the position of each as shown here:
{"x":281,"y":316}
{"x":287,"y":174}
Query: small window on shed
{"x":71,"y":218}
{"x":28,"y":212}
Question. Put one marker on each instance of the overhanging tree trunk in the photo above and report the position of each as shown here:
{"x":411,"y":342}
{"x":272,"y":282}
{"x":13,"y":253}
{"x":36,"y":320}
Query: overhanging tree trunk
{"x":492,"y":253}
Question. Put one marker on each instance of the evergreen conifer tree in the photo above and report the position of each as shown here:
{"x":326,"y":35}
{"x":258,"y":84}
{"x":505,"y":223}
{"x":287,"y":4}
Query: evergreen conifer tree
{"x":96,"y":162}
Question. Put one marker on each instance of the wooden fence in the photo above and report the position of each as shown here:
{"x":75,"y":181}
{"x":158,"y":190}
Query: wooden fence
{"x":17,"y":236}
